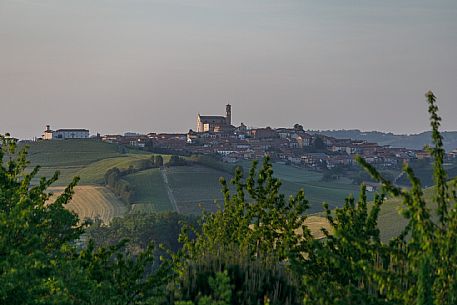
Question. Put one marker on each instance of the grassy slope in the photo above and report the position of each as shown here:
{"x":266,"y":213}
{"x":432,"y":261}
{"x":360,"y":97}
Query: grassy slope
{"x":88,"y":159}
{"x":70,"y":152}
{"x":316,"y":191}
{"x":195,"y":186}
{"x":150,"y":191}
{"x":69,"y":157}
{"x":391,"y":223}
{"x":94,"y":173}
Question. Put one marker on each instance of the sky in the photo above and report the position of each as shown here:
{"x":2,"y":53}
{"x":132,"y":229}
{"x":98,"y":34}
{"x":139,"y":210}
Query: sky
{"x":113,"y":66}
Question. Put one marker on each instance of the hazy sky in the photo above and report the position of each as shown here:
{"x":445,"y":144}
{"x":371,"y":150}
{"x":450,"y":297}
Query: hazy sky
{"x":151,"y":65}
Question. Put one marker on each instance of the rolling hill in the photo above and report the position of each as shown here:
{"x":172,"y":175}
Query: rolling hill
{"x":187,"y":189}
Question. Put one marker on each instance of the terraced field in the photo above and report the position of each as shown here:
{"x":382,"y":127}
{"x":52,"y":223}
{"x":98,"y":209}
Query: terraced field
{"x":91,"y":201}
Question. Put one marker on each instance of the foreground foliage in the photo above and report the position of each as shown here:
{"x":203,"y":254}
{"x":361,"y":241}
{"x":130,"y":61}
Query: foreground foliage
{"x":40,"y":260}
{"x":255,"y":239}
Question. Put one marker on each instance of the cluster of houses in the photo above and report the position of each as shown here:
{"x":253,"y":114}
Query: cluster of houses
{"x":216,"y":135}
{"x":285,"y":145}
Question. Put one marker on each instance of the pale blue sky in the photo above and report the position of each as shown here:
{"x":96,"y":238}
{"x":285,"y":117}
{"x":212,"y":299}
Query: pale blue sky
{"x":151,"y":65}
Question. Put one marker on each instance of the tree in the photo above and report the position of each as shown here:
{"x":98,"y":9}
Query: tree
{"x":158,"y":161}
{"x":298,"y":127}
{"x":176,"y":160}
{"x":250,"y":238}
{"x":319,"y":144}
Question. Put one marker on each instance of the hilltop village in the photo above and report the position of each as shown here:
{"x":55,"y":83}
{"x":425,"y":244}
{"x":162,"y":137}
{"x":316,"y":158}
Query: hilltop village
{"x":215,"y":135}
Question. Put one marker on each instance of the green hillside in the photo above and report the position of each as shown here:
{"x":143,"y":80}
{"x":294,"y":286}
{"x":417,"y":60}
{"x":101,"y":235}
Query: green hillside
{"x":70,"y":152}
{"x":316,"y":191}
{"x":150,"y":192}
{"x":94,"y":173}
{"x":88,"y":159}
{"x":196,"y":187}
{"x":191,"y":187}
{"x":391,"y":223}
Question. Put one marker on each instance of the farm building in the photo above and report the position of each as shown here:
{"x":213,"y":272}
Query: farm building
{"x":62,"y":134}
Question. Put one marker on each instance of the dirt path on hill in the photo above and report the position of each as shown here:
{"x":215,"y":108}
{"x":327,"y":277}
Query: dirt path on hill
{"x":171,"y":197}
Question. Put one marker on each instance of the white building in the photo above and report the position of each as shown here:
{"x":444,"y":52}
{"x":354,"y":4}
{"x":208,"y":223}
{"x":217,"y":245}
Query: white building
{"x":62,"y":134}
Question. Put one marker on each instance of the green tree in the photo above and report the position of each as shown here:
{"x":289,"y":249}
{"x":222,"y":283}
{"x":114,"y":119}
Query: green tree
{"x":158,"y":160}
{"x":176,"y":160}
{"x":352,"y":266}
{"x":250,"y":238}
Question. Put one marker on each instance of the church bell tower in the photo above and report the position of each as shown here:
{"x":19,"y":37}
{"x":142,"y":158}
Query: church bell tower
{"x":228,"y":114}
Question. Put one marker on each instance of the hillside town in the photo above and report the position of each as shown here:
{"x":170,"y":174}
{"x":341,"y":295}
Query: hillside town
{"x":215,"y":135}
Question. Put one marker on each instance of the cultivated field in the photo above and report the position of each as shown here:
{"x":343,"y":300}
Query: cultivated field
{"x":316,"y":224}
{"x":150,"y":191}
{"x":196,"y":187}
{"x":94,"y":201}
{"x":70,"y":152}
{"x":88,"y":159}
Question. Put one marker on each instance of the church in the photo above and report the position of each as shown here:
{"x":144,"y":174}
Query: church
{"x":214,"y":123}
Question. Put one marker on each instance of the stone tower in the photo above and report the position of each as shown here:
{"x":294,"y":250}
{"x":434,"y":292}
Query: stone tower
{"x":228,"y":114}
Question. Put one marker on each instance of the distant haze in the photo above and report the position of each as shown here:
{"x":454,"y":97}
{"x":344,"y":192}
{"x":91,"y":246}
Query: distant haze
{"x":151,"y":65}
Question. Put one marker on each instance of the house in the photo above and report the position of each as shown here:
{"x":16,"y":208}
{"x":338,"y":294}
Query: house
{"x":264,"y":133}
{"x":371,"y":187}
{"x":453,"y":154}
{"x":420,"y":154}
{"x":63,"y":134}
{"x":112,"y":138}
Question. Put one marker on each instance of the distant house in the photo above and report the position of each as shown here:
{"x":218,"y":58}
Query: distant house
{"x":453,"y":154}
{"x":63,"y":134}
{"x":371,"y":186}
{"x":264,"y":133}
